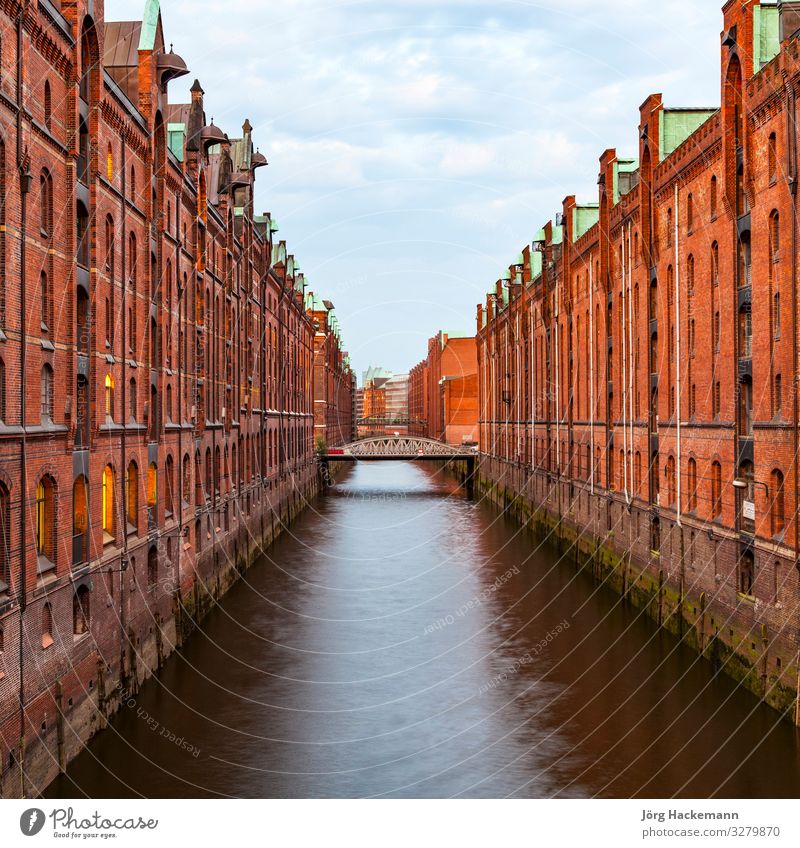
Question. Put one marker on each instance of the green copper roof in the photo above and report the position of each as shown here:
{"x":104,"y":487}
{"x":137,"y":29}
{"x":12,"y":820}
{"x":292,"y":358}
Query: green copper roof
{"x":558,"y":235}
{"x":584,"y":218}
{"x":147,"y":39}
{"x":766,"y":34}
{"x":676,"y":125}
{"x":175,"y":136}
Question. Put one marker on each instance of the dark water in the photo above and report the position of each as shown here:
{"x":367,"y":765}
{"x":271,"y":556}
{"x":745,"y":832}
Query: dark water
{"x":402,"y":641}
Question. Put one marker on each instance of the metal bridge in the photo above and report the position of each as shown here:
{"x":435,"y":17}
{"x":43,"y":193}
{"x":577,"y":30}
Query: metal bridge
{"x":401,"y":449}
{"x":398,"y":448}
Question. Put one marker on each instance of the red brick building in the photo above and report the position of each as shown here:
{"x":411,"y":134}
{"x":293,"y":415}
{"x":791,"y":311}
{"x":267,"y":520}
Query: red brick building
{"x":156,"y":407}
{"x":638,"y":364}
{"x":443,"y":390}
{"x":334,"y":399}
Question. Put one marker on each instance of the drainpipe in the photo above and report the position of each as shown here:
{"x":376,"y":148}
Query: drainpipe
{"x":591,"y":373}
{"x":631,"y":361}
{"x":792,"y":169}
{"x":120,"y":509}
{"x":24,"y":175}
{"x":677,"y":276}
{"x":558,"y":385}
{"x":532,"y":437}
{"x":518,"y":422}
{"x":624,"y":375}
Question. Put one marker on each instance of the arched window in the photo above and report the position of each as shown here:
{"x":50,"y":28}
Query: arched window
{"x":109,"y":396}
{"x":777,"y":396}
{"x":690,"y":274}
{"x":110,"y":163}
{"x":133,"y":183}
{"x":108,"y":504}
{"x":778,"y":506}
{"x":46,"y":302}
{"x":713,"y":198}
{"x":47,"y":626}
{"x":45,"y":519}
{"x":714,"y":264}
{"x":772,"y":158}
{"x":132,"y":497}
{"x":80,"y":611}
{"x":132,"y":399}
{"x":716,"y":489}
{"x":152,"y":485}
{"x":47,"y":394}
{"x":692,"y":475}
{"x":746,"y":571}
{"x":774,"y":237}
{"x":671,"y":480}
{"x":133,"y":261}
{"x":186,"y":491}
{"x":169,"y":504}
{"x":80,"y":521}
{"x":689,"y":213}
{"x":48,"y":105}
{"x":45,"y":204}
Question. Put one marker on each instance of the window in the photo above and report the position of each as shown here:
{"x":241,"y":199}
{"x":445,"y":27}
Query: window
{"x":169,"y":505}
{"x":746,"y":563}
{"x":746,"y":408}
{"x":690,"y":275}
{"x":45,"y":519}
{"x":689,"y":213}
{"x":47,"y":394}
{"x":132,"y":497}
{"x":671,"y":489}
{"x":772,"y":158}
{"x":110,"y":163}
{"x":716,"y":331}
{"x":132,"y":398}
{"x":45,"y":204}
{"x":717,"y":400}
{"x":774,"y":237}
{"x":80,"y":521}
{"x":152,"y":566}
{"x":778,"y":506}
{"x":714,"y":264}
{"x":716,"y":489}
{"x":132,"y":261}
{"x":109,"y":396}
{"x":47,"y":626}
{"x":713,"y":198}
{"x":745,"y":332}
{"x":669,"y":227}
{"x":187,"y":480}
{"x":80,"y":611}
{"x":108,"y":504}
{"x":82,"y":235}
{"x":133,"y":183}
{"x":776,"y":315}
{"x":692,"y":481}
{"x":48,"y":106}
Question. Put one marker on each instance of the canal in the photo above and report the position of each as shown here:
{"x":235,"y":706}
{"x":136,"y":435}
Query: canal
{"x":402,"y":641}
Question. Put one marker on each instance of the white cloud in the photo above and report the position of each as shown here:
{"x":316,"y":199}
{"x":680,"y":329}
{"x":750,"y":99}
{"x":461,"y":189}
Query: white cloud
{"x":415,"y":145}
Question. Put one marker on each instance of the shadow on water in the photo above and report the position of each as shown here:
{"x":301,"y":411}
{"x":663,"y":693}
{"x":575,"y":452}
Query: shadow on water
{"x":401,"y":640}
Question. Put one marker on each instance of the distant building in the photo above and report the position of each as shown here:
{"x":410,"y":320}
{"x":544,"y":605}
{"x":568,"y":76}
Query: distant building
{"x":443,"y":390}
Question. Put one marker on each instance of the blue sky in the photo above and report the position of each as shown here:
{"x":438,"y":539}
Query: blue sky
{"x":416,"y":146}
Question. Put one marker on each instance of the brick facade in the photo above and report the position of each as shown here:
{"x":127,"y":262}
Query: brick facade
{"x":443,"y":390}
{"x":638,"y":361}
{"x":156,"y":398}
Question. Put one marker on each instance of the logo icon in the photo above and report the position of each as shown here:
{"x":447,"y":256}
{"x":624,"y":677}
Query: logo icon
{"x":32,"y":821}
